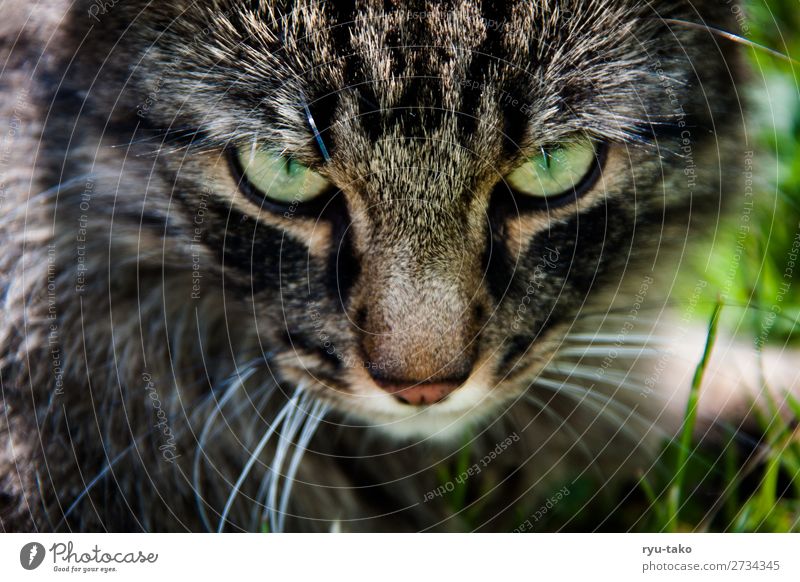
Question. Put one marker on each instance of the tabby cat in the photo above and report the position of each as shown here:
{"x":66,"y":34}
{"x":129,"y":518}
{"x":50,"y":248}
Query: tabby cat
{"x":270,"y":266}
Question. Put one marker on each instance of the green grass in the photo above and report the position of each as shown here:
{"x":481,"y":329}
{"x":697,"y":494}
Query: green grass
{"x":753,"y":488}
{"x":684,"y":450}
{"x":757,"y":490}
{"x":731,"y":492}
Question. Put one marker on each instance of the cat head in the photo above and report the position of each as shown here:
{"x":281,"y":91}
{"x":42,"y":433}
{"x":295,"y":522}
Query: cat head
{"x":418,"y":200}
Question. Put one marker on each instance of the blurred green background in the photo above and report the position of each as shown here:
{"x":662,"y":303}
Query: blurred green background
{"x":774,"y":131}
{"x":749,"y":485}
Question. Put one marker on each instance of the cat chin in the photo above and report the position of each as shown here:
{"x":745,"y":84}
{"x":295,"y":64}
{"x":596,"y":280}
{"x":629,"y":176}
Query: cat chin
{"x":431,"y":426}
{"x":444,"y":423}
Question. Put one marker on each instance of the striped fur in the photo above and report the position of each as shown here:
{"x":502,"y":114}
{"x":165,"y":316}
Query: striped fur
{"x":171,"y":348}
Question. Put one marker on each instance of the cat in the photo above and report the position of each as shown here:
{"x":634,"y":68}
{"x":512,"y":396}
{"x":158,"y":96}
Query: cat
{"x":268,"y":265}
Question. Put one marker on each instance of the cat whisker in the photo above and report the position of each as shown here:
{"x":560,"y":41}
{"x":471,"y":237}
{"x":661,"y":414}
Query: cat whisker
{"x":578,"y":438}
{"x":732,"y":37}
{"x":620,"y":313}
{"x":269,"y":488}
{"x":94,"y":481}
{"x":605,"y":406}
{"x":204,"y":433}
{"x":608,"y":377}
{"x":276,"y":423}
{"x":603,"y":338}
{"x":602,"y":351}
{"x":314,"y":419}
{"x":106,"y":470}
{"x":157,"y":134}
{"x":263,"y":394}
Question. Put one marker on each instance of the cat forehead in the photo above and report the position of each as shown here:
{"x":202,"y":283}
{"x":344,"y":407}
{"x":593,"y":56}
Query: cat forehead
{"x":362,"y":70}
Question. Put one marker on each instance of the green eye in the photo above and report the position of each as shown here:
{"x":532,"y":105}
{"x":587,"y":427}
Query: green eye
{"x":556,"y":170}
{"x":279,"y":178}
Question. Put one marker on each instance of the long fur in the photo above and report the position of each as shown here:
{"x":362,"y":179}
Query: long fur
{"x":178,"y":356}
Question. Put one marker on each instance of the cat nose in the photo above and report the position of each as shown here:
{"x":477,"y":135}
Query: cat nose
{"x":417,"y":342}
{"x":418,"y":393}
{"x":418,"y":372}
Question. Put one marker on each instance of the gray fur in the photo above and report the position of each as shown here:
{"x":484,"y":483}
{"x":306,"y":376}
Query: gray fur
{"x":121,"y":149}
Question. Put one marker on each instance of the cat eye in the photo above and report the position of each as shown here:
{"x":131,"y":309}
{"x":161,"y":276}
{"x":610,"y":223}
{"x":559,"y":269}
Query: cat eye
{"x":264,"y":174}
{"x":565,"y":169}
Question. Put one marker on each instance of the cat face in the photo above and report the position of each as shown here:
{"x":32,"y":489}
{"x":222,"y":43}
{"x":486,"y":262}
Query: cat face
{"x":418,"y":200}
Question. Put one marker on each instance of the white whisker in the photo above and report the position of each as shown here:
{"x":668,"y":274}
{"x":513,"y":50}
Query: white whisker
{"x":579,"y":441}
{"x":605,"y":406}
{"x":315,"y":416}
{"x":288,"y":431}
{"x":255,"y":454}
{"x":732,"y":37}
{"x":590,"y":351}
{"x":204,"y":433}
{"x":608,"y":377}
{"x":615,"y":337}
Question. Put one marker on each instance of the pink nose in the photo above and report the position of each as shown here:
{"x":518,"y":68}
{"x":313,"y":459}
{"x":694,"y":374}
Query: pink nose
{"x":418,"y":394}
